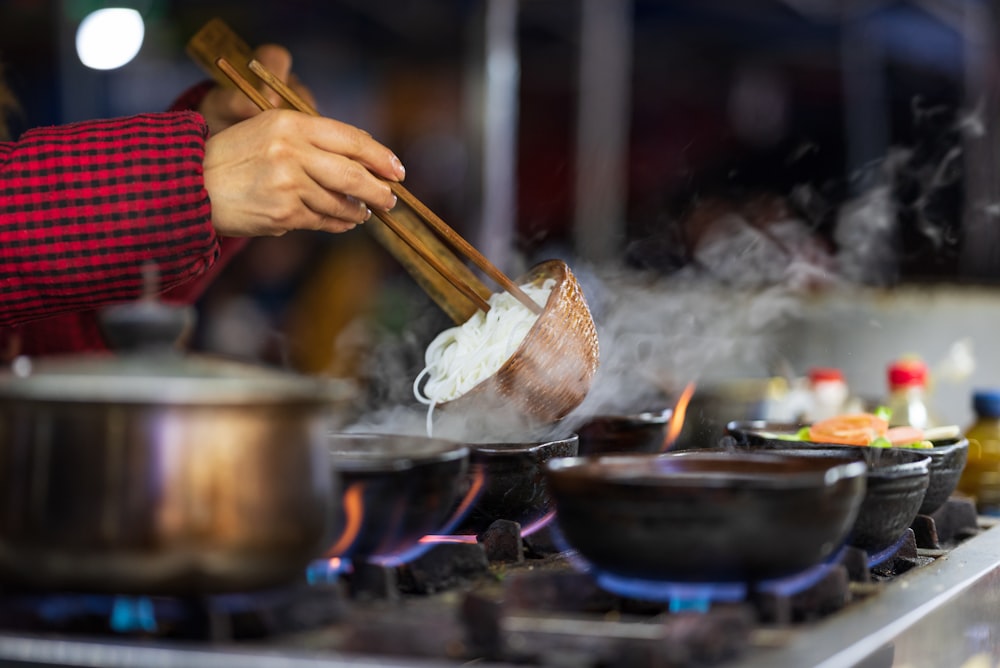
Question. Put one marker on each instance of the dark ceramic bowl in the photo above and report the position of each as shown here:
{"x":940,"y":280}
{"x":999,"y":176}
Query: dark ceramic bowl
{"x":707,"y":516}
{"x":948,"y":456}
{"x":897,"y":480}
{"x":395,"y":490}
{"x":513,"y":482}
{"x":624,"y":434}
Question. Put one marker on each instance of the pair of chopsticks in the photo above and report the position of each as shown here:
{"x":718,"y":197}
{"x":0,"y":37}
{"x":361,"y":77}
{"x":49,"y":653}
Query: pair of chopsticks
{"x":439,"y":226}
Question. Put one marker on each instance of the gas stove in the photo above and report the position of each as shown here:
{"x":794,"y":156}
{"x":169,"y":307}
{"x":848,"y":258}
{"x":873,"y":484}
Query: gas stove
{"x":507,"y":599}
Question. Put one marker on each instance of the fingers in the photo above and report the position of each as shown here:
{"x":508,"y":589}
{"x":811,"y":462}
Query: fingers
{"x":339,"y":138}
{"x":335,"y":226}
{"x":284,"y":170}
{"x":337,"y":173}
{"x":224,"y":106}
{"x":337,"y":156}
{"x":334,"y":209}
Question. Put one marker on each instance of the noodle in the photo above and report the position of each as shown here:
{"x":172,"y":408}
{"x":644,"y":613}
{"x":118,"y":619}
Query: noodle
{"x":461,"y":357}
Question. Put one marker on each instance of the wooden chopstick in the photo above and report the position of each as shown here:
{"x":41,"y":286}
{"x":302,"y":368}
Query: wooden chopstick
{"x":443,"y":229}
{"x":248,"y":89}
{"x":411,"y":240}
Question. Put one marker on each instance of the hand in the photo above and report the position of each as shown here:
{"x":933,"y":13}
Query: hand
{"x":224,"y":106}
{"x":284,"y":170}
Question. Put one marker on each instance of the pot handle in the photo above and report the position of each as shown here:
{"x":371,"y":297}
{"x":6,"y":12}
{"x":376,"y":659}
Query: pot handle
{"x":147,"y":324}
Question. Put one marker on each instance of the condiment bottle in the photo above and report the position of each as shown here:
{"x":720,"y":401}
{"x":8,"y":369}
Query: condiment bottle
{"x":829,"y":393}
{"x":908,"y":398}
{"x":981,"y":476}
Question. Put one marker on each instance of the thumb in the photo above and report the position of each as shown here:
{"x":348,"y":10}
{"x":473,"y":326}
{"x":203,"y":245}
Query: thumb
{"x":278,"y":61}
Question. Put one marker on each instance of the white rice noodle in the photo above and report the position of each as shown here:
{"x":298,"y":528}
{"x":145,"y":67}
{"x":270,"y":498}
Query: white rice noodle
{"x":461,"y":357}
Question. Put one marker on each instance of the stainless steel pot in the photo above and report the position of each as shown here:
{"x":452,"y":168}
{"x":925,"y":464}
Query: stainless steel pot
{"x":162,"y":473}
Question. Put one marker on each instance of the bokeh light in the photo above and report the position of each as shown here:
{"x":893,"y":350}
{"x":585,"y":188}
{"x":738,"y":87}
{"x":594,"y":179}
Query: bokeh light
{"x":109,"y":38}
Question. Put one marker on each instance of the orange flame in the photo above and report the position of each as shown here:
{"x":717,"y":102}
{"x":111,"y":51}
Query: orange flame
{"x":478,"y":478}
{"x":676,"y":422}
{"x":476,"y":485}
{"x":354,"y":511}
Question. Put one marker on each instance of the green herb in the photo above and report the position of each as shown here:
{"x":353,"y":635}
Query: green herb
{"x":919,"y":445}
{"x":883,"y":412}
{"x":801,"y":435}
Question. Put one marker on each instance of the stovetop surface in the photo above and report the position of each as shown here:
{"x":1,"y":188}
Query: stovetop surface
{"x":543,"y":612}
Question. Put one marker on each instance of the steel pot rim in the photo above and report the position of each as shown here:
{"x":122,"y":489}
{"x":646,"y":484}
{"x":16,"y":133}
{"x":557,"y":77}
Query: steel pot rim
{"x":164,"y":380}
{"x":500,"y":448}
{"x":429,"y":450}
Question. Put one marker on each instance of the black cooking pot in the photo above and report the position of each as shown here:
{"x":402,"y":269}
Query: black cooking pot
{"x":705,"y":516}
{"x":623,"y":434}
{"x":396,"y":489}
{"x":897,"y":481}
{"x":948,"y":456}
{"x":512,"y":481}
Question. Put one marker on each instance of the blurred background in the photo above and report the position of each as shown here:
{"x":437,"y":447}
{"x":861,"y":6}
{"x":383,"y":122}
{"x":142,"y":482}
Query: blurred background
{"x":796,"y":182}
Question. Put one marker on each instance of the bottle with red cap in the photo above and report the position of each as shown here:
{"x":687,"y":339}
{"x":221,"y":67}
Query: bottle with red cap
{"x":829,"y":393}
{"x":908,"y":395}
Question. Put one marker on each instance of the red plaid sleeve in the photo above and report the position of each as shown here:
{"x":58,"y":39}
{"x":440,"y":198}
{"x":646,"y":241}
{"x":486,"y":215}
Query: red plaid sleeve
{"x":87,"y":205}
{"x":83,"y":207}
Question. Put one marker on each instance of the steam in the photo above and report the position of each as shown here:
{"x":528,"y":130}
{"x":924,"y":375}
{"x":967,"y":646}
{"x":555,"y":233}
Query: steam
{"x":866,"y":237}
{"x":659,"y":333}
{"x":744,"y":277}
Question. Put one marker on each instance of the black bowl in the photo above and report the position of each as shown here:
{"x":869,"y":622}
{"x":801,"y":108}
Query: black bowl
{"x":898,"y":479}
{"x":705,"y":516}
{"x":513,"y":482}
{"x":623,"y":434}
{"x":407,"y":487}
{"x":948,"y":456}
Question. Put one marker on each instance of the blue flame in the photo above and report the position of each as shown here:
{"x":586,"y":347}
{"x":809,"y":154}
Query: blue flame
{"x":681,"y":596}
{"x":693,"y":596}
{"x":327,"y":571}
{"x":129,"y":614}
{"x":886,"y":554}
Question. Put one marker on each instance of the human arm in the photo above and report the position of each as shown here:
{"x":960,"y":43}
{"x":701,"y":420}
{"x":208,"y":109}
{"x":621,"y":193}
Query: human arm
{"x":87,"y":205}
{"x":285,"y":171}
{"x":268,"y":173}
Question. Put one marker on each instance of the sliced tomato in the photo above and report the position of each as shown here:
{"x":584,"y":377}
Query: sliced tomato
{"x":856,"y":429}
{"x":904,"y":435}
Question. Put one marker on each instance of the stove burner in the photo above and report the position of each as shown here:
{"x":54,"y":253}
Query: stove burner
{"x":130,"y":614}
{"x":528,"y":603}
{"x":217,"y":617}
{"x":681,"y":596}
{"x":327,"y":571}
{"x":695,"y":596}
{"x":799,"y":582}
{"x":889,"y":552}
{"x":447,"y":565}
{"x":538,"y":524}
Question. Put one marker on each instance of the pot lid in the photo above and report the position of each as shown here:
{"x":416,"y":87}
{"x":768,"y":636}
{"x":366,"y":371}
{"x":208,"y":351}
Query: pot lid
{"x":163,"y":378}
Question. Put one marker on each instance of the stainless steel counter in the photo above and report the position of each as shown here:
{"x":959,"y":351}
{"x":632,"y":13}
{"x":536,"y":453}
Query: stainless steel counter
{"x":943,"y":614}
